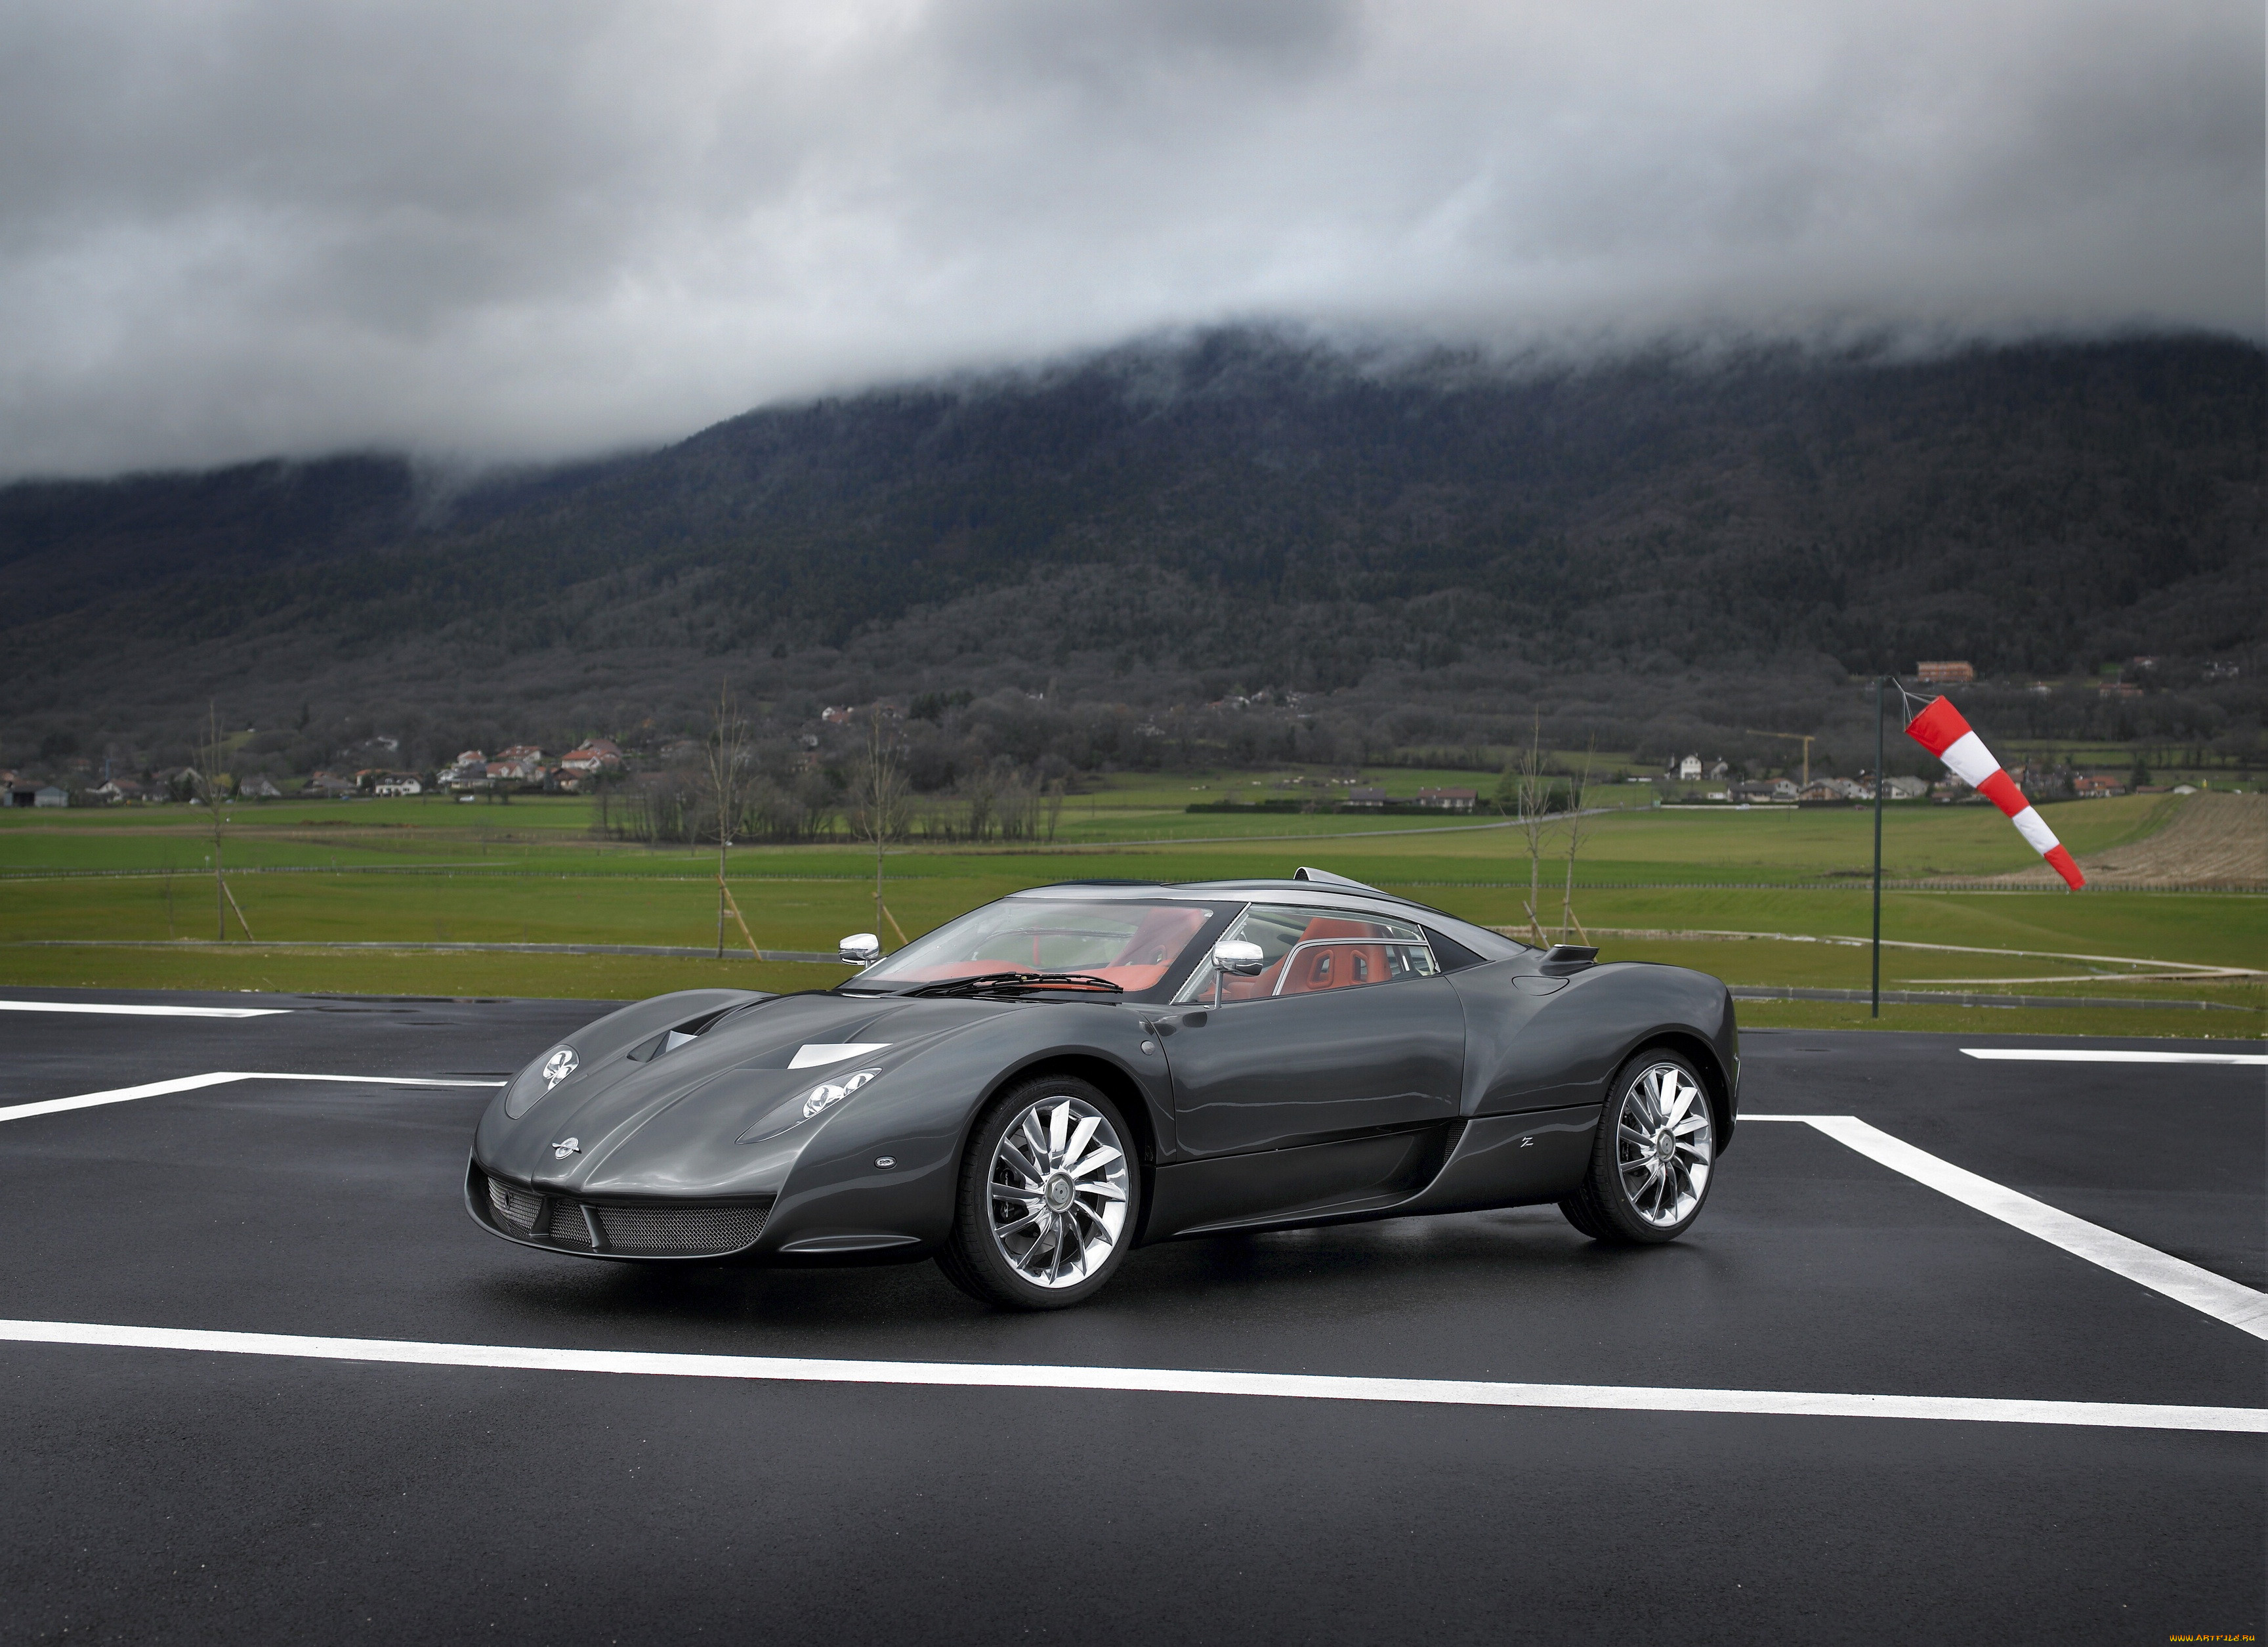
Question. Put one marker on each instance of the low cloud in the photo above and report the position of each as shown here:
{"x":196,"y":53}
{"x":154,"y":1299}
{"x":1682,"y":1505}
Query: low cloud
{"x":522,"y":230}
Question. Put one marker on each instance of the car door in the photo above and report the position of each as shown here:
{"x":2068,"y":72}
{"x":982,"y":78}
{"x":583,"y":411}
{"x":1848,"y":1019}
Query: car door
{"x":1351,"y":1029}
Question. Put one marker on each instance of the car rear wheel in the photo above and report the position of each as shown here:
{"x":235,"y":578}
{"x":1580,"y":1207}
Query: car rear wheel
{"x":1653,"y":1156}
{"x":1049,"y":1189}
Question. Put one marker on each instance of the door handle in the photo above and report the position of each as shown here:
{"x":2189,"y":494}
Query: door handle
{"x":1166,"y":1026}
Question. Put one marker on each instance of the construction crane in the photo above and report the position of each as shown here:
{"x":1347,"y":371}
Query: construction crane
{"x":1802,"y":737}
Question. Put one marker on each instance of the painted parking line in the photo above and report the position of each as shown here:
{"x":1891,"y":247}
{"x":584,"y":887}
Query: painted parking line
{"x":213,"y":1078}
{"x":120,"y":1009}
{"x":1153,"y":1380}
{"x":2077,"y":1055}
{"x":2161,"y":1273}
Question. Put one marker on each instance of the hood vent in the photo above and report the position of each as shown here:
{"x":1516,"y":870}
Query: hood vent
{"x":669,"y":1040}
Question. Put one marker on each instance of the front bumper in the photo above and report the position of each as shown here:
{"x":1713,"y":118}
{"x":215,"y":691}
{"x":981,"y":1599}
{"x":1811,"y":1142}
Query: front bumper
{"x":668,"y":1231}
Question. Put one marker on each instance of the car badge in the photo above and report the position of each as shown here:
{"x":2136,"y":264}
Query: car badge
{"x":565,"y":1147}
{"x":558,"y":1066}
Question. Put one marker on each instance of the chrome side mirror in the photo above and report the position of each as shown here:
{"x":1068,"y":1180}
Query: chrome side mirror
{"x":1238,"y":958}
{"x":1234,"y":955}
{"x":860,"y":948}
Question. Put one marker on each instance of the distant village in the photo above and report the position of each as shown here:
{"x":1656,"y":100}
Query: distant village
{"x":522,"y":769}
{"x":529,"y":769}
{"x":79,"y":780}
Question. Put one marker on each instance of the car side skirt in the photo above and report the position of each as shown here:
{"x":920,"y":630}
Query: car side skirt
{"x":1491,"y":1160}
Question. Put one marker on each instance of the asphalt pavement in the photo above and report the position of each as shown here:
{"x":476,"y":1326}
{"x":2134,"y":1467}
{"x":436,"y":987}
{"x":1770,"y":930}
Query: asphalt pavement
{"x":159,"y":1494}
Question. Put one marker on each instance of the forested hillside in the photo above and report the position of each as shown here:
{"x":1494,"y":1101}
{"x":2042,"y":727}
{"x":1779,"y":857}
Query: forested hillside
{"x":1419,"y":549}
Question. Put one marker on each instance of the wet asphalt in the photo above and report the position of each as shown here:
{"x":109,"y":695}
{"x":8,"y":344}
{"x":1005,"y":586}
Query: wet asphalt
{"x":160,"y":1495}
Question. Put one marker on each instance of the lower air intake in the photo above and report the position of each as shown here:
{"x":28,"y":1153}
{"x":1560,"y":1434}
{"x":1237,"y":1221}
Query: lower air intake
{"x":695,"y":1230}
{"x":516,"y":1209}
{"x":682,"y":1232}
{"x":567,"y":1226}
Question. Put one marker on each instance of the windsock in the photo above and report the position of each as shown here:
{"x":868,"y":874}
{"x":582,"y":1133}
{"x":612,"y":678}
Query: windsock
{"x":1941,"y":730}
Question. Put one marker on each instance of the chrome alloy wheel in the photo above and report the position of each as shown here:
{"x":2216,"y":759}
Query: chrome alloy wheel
{"x":1663,"y":1144}
{"x":1057,"y":1192}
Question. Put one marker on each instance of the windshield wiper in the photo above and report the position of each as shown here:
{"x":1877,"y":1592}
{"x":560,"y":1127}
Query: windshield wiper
{"x":988,"y":983}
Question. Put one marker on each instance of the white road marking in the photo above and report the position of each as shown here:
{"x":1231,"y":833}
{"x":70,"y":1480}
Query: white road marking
{"x":2079,"y":1055}
{"x":1168,"y":1381}
{"x":190,"y":1083}
{"x":2174,"y":1278}
{"x":120,"y":1010}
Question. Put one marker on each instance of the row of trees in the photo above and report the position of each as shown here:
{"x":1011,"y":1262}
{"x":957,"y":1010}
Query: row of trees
{"x":680,"y":806}
{"x":732,"y":796}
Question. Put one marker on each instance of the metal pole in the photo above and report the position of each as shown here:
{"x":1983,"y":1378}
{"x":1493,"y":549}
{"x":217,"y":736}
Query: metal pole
{"x":1877,"y":1010}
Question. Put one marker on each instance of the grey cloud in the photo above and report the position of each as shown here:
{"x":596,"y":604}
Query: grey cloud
{"x":522,"y":230}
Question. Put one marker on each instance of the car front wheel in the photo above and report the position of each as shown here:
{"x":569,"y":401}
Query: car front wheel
{"x":1049,"y":1189}
{"x":1652,"y":1160}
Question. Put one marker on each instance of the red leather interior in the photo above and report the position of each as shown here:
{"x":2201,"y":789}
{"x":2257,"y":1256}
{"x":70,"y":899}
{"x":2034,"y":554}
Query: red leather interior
{"x":1155,"y":945}
{"x":1341,"y":967}
{"x":1159,"y":939}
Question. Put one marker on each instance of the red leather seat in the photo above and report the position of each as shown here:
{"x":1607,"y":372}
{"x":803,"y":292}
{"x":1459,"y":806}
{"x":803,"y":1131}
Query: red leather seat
{"x":1161,"y":937}
{"x":1336,"y":965}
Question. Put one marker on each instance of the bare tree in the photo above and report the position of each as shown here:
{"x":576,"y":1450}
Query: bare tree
{"x":728,"y":778}
{"x":1532,"y":795}
{"x":212,"y":789}
{"x":878,"y":813}
{"x":1577,"y":827}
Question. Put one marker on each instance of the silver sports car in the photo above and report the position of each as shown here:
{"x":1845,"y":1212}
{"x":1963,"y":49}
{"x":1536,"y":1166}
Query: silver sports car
{"x":1031,"y":1091}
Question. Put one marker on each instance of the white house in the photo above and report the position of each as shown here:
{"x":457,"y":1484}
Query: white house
{"x":1689,"y":768}
{"x":598,"y":755}
{"x":1448,"y":800}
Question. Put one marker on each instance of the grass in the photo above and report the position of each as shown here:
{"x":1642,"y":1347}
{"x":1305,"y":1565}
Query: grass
{"x":251,"y":967}
{"x":427,"y":870}
{"x":1825,"y":1015}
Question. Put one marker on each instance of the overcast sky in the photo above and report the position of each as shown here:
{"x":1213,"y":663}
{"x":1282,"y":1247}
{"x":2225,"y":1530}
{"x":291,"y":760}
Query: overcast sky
{"x":518,"y":228}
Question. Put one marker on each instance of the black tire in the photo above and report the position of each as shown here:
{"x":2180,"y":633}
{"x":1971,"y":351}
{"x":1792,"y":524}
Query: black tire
{"x":1633,"y":1193}
{"x":977,"y":1256}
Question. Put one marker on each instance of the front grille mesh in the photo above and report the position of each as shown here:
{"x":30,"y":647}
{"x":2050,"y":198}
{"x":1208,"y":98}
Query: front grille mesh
{"x":515,"y":1208}
{"x":567,"y":1226}
{"x":682,"y":1230}
{"x":693,"y":1231}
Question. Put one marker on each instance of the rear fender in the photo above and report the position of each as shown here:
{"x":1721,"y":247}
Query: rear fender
{"x":1538,"y":1043}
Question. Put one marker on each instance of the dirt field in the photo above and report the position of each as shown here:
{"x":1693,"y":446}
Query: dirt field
{"x":2210,"y":840}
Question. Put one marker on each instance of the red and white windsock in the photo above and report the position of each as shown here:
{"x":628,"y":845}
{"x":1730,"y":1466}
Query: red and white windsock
{"x":1941,"y":730}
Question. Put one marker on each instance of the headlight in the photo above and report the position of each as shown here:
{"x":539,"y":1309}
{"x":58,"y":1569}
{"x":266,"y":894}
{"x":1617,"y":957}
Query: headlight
{"x":537,"y":1079}
{"x":827,"y":1092}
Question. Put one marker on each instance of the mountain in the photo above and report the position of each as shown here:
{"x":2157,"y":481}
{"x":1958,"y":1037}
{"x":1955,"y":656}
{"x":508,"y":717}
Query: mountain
{"x":1428,"y":545}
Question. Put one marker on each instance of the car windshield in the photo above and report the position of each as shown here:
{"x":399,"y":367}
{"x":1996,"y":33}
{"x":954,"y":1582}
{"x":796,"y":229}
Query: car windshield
{"x":1132,"y":945}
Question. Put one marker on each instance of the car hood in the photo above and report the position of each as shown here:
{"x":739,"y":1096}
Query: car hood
{"x":714,"y":1114}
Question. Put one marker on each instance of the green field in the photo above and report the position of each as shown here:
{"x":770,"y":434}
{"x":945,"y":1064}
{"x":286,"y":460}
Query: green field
{"x":128,"y":886}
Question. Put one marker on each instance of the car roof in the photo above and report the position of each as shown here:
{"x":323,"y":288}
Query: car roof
{"x":1249,"y":887}
{"x":1336,"y":893}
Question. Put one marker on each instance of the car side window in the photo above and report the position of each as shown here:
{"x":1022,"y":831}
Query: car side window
{"x":1307,"y":951}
